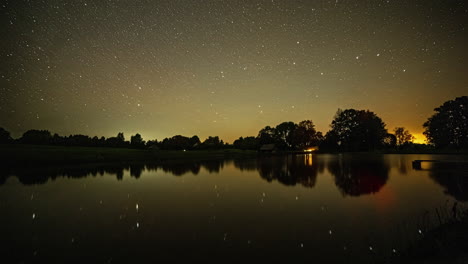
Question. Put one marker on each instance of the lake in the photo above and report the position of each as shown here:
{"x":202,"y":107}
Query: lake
{"x":298,"y":208}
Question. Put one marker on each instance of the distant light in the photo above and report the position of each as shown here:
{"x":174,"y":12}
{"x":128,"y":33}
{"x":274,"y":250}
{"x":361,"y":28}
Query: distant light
{"x":311,"y":149}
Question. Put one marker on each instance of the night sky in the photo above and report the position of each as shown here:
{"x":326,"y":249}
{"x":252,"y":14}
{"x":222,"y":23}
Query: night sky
{"x":225,"y":68}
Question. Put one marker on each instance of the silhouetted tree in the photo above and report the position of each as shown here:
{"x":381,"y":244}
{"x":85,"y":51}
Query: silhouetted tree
{"x":194,"y":142}
{"x":176,"y":143}
{"x":151,"y":143}
{"x":357,"y":130}
{"x":40,"y":137}
{"x":137,"y":141}
{"x":448,"y":127}
{"x":330,"y":142}
{"x":120,"y":136}
{"x":95,"y":141}
{"x":102,"y":141}
{"x":266,"y":135}
{"x":251,"y":143}
{"x":5,"y":136}
{"x":403,"y":136}
{"x":118,"y":141}
{"x":78,"y":140}
{"x":212,"y":143}
{"x":284,"y":135}
{"x":305,"y":135}
{"x":57,"y":140}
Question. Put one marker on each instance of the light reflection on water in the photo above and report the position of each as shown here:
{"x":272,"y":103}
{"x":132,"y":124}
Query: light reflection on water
{"x":308,"y":207}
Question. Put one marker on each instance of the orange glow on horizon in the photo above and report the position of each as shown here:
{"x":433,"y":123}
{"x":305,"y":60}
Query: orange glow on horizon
{"x":419,"y":139}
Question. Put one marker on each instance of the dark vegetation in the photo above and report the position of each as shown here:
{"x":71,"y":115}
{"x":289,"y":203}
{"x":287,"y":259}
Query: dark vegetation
{"x":446,"y":242}
{"x":25,"y":155}
{"x":350,"y":131}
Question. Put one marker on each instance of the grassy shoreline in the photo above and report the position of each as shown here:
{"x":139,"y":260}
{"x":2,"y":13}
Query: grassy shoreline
{"x":40,"y":154}
{"x":19,"y":154}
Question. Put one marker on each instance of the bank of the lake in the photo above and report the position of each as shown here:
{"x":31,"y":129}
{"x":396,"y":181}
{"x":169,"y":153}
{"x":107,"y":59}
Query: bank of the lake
{"x":447,"y":243}
{"x":25,"y":154}
{"x":43,"y":154}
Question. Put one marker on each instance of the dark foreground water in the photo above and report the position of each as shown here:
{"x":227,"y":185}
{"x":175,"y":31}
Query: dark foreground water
{"x":304,"y":208}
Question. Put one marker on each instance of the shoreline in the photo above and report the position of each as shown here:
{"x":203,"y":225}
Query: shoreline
{"x":447,"y":243}
{"x":14,"y":154}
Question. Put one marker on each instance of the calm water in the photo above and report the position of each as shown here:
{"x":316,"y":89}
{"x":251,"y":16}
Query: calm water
{"x":313,"y":208}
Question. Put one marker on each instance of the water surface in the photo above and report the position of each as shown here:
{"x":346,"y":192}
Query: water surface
{"x":322,"y":208}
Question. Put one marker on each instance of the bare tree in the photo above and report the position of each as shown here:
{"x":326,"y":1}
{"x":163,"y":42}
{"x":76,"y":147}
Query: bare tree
{"x":403,"y":136}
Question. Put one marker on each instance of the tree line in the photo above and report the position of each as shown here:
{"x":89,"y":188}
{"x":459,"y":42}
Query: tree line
{"x":45,"y":137}
{"x":350,"y":130}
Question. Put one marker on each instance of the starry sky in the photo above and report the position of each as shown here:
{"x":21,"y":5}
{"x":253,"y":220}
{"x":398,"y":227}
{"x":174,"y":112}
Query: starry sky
{"x":225,"y":68}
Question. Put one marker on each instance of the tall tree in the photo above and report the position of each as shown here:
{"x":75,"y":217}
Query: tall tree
{"x":305,"y":135}
{"x":194,"y":141}
{"x":177,"y":142}
{"x":120,"y":137}
{"x":137,"y":141}
{"x":284,"y":135}
{"x":448,"y":127}
{"x":357,"y":130}
{"x":403,"y":136}
{"x":266,"y":135}
{"x":246,"y":143}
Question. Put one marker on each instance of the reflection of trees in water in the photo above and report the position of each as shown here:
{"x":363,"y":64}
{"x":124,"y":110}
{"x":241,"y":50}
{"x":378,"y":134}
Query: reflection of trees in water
{"x":213,"y":165}
{"x":454,"y":182}
{"x":290,"y":170}
{"x":246,"y":164}
{"x":184,"y":167}
{"x":359,"y":176}
{"x":40,"y":175}
{"x":179,"y":169}
{"x":403,"y":164}
{"x":136,"y":170}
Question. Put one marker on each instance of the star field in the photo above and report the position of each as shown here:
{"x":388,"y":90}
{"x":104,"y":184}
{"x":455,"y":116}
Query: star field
{"x":225,"y":68}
